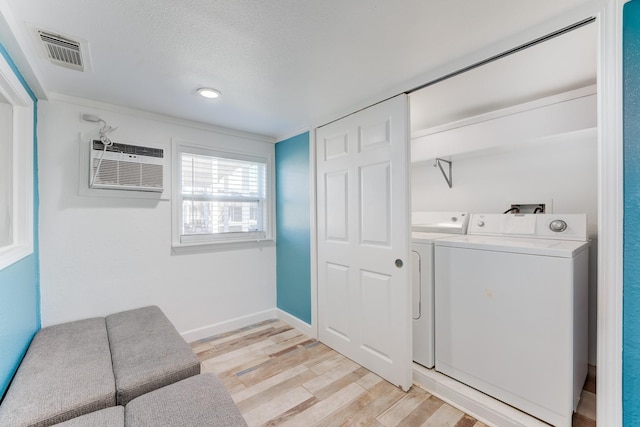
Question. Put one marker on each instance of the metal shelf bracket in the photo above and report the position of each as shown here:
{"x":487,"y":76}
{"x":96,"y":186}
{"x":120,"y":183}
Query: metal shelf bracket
{"x":448,"y":178}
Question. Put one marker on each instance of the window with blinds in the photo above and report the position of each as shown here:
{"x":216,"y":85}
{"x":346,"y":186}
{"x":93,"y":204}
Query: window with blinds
{"x":222,"y":197}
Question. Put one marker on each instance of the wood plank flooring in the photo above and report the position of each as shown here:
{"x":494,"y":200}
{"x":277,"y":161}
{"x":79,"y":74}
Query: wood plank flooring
{"x":280,"y":377}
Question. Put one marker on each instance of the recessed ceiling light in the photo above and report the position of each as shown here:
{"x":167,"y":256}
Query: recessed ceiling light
{"x":208,"y":92}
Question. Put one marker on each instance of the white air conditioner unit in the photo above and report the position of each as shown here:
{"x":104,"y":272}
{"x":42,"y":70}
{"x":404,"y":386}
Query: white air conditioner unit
{"x":126,"y":167}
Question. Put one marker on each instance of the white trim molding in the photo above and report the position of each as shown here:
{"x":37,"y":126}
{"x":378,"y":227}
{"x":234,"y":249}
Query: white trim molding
{"x":296,"y":323}
{"x":471,"y":401}
{"x":227,"y":326}
{"x":313,"y":232}
{"x":610,"y":217}
{"x":208,"y":331}
{"x":204,"y":242}
{"x":21,"y":213}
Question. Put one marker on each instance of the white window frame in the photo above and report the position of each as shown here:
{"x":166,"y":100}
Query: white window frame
{"x":206,"y":242}
{"x":23,"y":107}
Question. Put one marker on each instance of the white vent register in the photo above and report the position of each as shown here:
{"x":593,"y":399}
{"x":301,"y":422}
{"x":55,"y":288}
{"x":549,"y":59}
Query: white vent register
{"x":126,"y":167}
{"x":62,"y":51}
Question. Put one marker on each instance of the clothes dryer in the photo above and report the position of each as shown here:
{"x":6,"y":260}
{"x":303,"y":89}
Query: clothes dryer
{"x":426,"y":228}
{"x":511,"y":302}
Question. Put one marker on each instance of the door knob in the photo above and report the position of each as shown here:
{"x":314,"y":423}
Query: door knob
{"x":399,"y":263}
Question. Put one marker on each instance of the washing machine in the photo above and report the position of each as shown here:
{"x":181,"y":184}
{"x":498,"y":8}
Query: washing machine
{"x":511,"y":302}
{"x":426,"y":228}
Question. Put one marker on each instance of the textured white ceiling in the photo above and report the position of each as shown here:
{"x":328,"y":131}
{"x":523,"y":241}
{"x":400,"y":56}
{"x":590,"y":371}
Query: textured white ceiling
{"x":282,"y":65}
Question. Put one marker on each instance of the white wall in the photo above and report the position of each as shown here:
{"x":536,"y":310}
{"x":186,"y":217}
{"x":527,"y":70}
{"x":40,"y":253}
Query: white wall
{"x":561,"y":168}
{"x":100,"y":255}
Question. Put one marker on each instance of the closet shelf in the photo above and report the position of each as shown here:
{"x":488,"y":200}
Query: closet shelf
{"x":562,"y":114}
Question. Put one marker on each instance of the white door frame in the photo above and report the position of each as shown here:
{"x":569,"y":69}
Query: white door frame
{"x":608,"y":15}
{"x":610,"y":216}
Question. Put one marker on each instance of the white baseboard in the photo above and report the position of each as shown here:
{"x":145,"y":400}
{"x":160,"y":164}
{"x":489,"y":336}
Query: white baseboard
{"x":480,"y":406}
{"x":296,"y":323}
{"x":228,"y":325}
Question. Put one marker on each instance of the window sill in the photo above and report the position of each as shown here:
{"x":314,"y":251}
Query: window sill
{"x":186,"y":248}
{"x":12,"y":254}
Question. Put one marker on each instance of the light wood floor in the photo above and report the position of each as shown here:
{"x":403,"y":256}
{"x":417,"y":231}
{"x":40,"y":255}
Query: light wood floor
{"x":279,"y":376}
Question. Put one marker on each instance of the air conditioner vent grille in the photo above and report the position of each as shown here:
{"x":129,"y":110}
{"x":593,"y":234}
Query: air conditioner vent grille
{"x":120,"y":168}
{"x":62,"y":51}
{"x":127,"y":174}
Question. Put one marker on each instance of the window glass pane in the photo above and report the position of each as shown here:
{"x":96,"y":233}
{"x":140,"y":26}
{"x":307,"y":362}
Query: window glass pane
{"x":204,"y":175}
{"x":221,"y":195}
{"x":202,"y":217}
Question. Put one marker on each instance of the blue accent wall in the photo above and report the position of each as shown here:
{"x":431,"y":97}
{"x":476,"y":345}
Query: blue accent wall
{"x":293,"y":250}
{"x":631,"y":291}
{"x":19,"y":285}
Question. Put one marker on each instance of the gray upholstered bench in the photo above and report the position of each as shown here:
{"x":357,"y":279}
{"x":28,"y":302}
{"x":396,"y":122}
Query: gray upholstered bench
{"x":81,"y":367}
{"x":65,"y":373}
{"x":201,"y":400}
{"x":147,"y":352}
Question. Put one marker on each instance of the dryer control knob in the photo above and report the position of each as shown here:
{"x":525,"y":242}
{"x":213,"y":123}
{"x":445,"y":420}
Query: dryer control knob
{"x":557,"y":225}
{"x":480,"y":223}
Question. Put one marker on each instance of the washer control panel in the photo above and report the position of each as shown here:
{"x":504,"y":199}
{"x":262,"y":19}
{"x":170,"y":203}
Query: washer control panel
{"x":541,"y":226}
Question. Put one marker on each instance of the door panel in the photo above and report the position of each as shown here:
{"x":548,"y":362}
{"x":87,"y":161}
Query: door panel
{"x":364,"y":297}
{"x":376,"y":313}
{"x":338,"y":300}
{"x":336,"y":209}
{"x":375,"y":212}
{"x":336,"y":146}
{"x":376,"y":133}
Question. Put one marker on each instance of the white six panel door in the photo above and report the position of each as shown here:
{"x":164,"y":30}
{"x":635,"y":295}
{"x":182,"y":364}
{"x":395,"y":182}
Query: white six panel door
{"x":364,"y":299}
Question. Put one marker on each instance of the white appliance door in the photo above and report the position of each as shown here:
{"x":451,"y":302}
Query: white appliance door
{"x":505,"y":326}
{"x":364,"y":293}
{"x":422,"y":284}
{"x":416,"y":285}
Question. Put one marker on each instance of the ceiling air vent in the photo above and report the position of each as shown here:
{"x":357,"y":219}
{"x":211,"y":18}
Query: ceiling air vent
{"x":62,"y":51}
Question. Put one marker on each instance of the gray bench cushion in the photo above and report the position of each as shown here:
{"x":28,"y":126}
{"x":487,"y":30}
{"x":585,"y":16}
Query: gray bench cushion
{"x":65,"y":373}
{"x":110,"y":417}
{"x":147,"y":352}
{"x":197,"y":401}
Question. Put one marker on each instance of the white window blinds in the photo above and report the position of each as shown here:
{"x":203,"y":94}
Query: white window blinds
{"x":223,"y":197}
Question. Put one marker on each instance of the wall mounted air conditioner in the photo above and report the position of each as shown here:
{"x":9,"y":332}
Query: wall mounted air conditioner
{"x":126,"y":167}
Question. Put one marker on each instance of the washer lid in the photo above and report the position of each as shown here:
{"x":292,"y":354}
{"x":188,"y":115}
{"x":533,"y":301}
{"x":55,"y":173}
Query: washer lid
{"x":440,"y":222}
{"x":518,"y":245}
{"x":429,"y":238}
